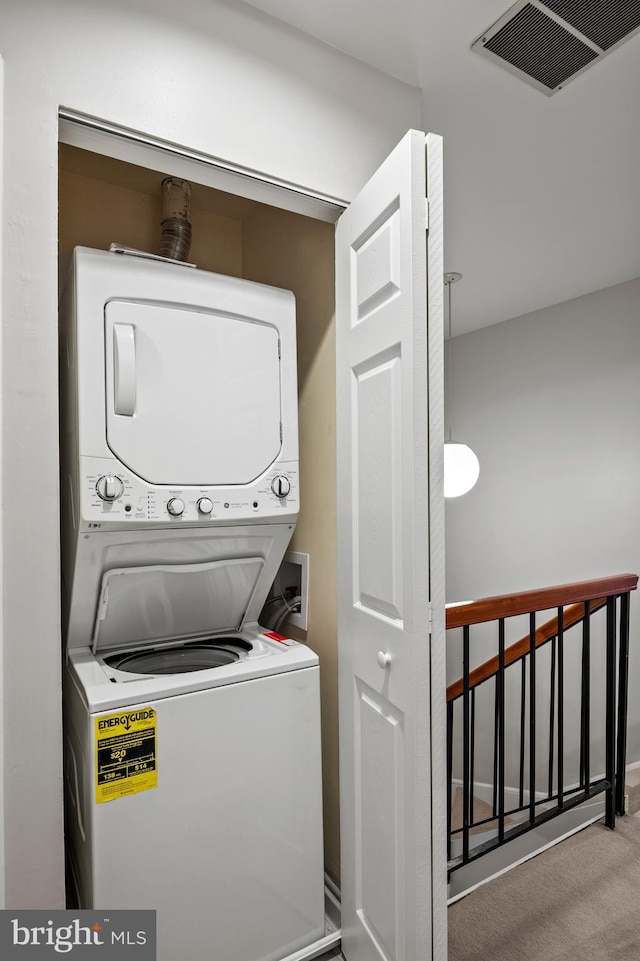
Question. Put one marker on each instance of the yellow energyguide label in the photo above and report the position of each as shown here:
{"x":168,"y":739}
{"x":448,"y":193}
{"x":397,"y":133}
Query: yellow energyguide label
{"x":126,"y":760}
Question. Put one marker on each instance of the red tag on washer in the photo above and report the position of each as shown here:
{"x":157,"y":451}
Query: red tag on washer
{"x":275,"y":637}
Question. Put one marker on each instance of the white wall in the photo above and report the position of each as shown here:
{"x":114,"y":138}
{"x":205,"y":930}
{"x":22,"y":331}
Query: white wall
{"x":550,"y":402}
{"x":213,"y":75}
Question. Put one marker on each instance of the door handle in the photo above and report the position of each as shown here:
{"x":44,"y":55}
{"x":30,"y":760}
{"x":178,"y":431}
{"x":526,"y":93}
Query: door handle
{"x":384,"y":660}
{"x":124,"y":370}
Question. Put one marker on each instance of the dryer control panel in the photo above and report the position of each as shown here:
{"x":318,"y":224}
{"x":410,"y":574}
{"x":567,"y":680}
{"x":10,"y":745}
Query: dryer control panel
{"x":113,"y":497}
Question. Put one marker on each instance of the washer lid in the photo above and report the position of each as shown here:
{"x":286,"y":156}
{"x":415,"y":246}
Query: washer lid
{"x":139,"y":605}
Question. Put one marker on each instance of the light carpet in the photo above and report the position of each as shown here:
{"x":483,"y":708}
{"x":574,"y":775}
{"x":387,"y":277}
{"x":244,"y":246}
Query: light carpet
{"x":578,"y":901}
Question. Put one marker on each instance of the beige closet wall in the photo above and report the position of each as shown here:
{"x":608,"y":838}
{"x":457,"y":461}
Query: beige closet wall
{"x":95,"y":211}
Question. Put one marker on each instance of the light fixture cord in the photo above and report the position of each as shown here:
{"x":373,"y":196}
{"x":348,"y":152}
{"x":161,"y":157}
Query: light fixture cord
{"x":448,"y":370}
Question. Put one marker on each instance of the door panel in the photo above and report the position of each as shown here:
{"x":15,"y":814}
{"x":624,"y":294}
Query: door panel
{"x":376,"y":414}
{"x":380,"y":747}
{"x":376,"y":263}
{"x":385,"y":648}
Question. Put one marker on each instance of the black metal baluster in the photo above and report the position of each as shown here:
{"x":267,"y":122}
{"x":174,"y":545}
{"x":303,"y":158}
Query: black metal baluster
{"x":496,"y":722}
{"x":560,"y":708}
{"x":532,"y":717}
{"x":552,"y":719}
{"x":610,"y":734}
{"x":449,"y":774}
{"x":472,"y":759}
{"x":523,"y":708}
{"x":500,"y":690}
{"x":585,"y":710}
{"x":623,"y":693}
{"x":465,"y":744}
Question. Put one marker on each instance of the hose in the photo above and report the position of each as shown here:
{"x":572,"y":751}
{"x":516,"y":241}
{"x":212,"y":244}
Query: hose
{"x":176,"y":226}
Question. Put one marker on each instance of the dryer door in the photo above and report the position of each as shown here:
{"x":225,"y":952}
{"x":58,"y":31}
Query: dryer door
{"x":193,"y":398}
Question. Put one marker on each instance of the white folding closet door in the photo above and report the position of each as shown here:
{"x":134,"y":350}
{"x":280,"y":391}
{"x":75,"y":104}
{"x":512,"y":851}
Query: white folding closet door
{"x":388,"y":898}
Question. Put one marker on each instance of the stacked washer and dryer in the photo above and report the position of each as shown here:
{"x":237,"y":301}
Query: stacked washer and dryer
{"x":192,"y":737}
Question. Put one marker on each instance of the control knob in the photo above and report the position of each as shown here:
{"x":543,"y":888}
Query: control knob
{"x":175,"y":506}
{"x":109,"y":487}
{"x":205,"y":505}
{"x":281,"y":485}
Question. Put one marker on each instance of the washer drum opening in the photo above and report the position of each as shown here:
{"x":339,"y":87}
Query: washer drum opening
{"x":181,"y":658}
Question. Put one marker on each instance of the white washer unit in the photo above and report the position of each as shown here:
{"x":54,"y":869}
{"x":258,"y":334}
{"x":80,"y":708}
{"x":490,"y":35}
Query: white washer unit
{"x":192,"y":738}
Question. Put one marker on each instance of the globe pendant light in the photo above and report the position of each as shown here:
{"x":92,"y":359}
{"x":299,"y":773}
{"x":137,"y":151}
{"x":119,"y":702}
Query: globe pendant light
{"x":461,"y":466}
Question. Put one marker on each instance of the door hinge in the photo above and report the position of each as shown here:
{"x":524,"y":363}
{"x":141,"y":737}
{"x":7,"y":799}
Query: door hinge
{"x":430,"y":617}
{"x":426,"y":213}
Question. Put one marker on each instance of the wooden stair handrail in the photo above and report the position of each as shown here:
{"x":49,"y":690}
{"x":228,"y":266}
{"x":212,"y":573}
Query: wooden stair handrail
{"x":572,"y":615}
{"x":542,"y":599}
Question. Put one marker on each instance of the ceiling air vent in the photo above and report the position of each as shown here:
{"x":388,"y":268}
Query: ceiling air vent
{"x":549,"y":42}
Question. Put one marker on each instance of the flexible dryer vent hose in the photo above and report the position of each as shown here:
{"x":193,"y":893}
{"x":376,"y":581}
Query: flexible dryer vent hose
{"x":176,"y":226}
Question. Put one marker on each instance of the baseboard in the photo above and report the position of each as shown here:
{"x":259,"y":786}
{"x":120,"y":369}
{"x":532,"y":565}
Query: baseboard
{"x":484,"y":792}
{"x":331,"y":940}
{"x":317,"y":949}
{"x":523,"y":848}
{"x":332,"y":903}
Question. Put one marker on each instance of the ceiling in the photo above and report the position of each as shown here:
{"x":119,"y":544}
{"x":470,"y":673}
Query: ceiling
{"x":542,"y":195}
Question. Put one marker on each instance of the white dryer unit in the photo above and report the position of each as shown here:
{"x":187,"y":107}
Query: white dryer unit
{"x":192,"y":738}
{"x":178,"y":414}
